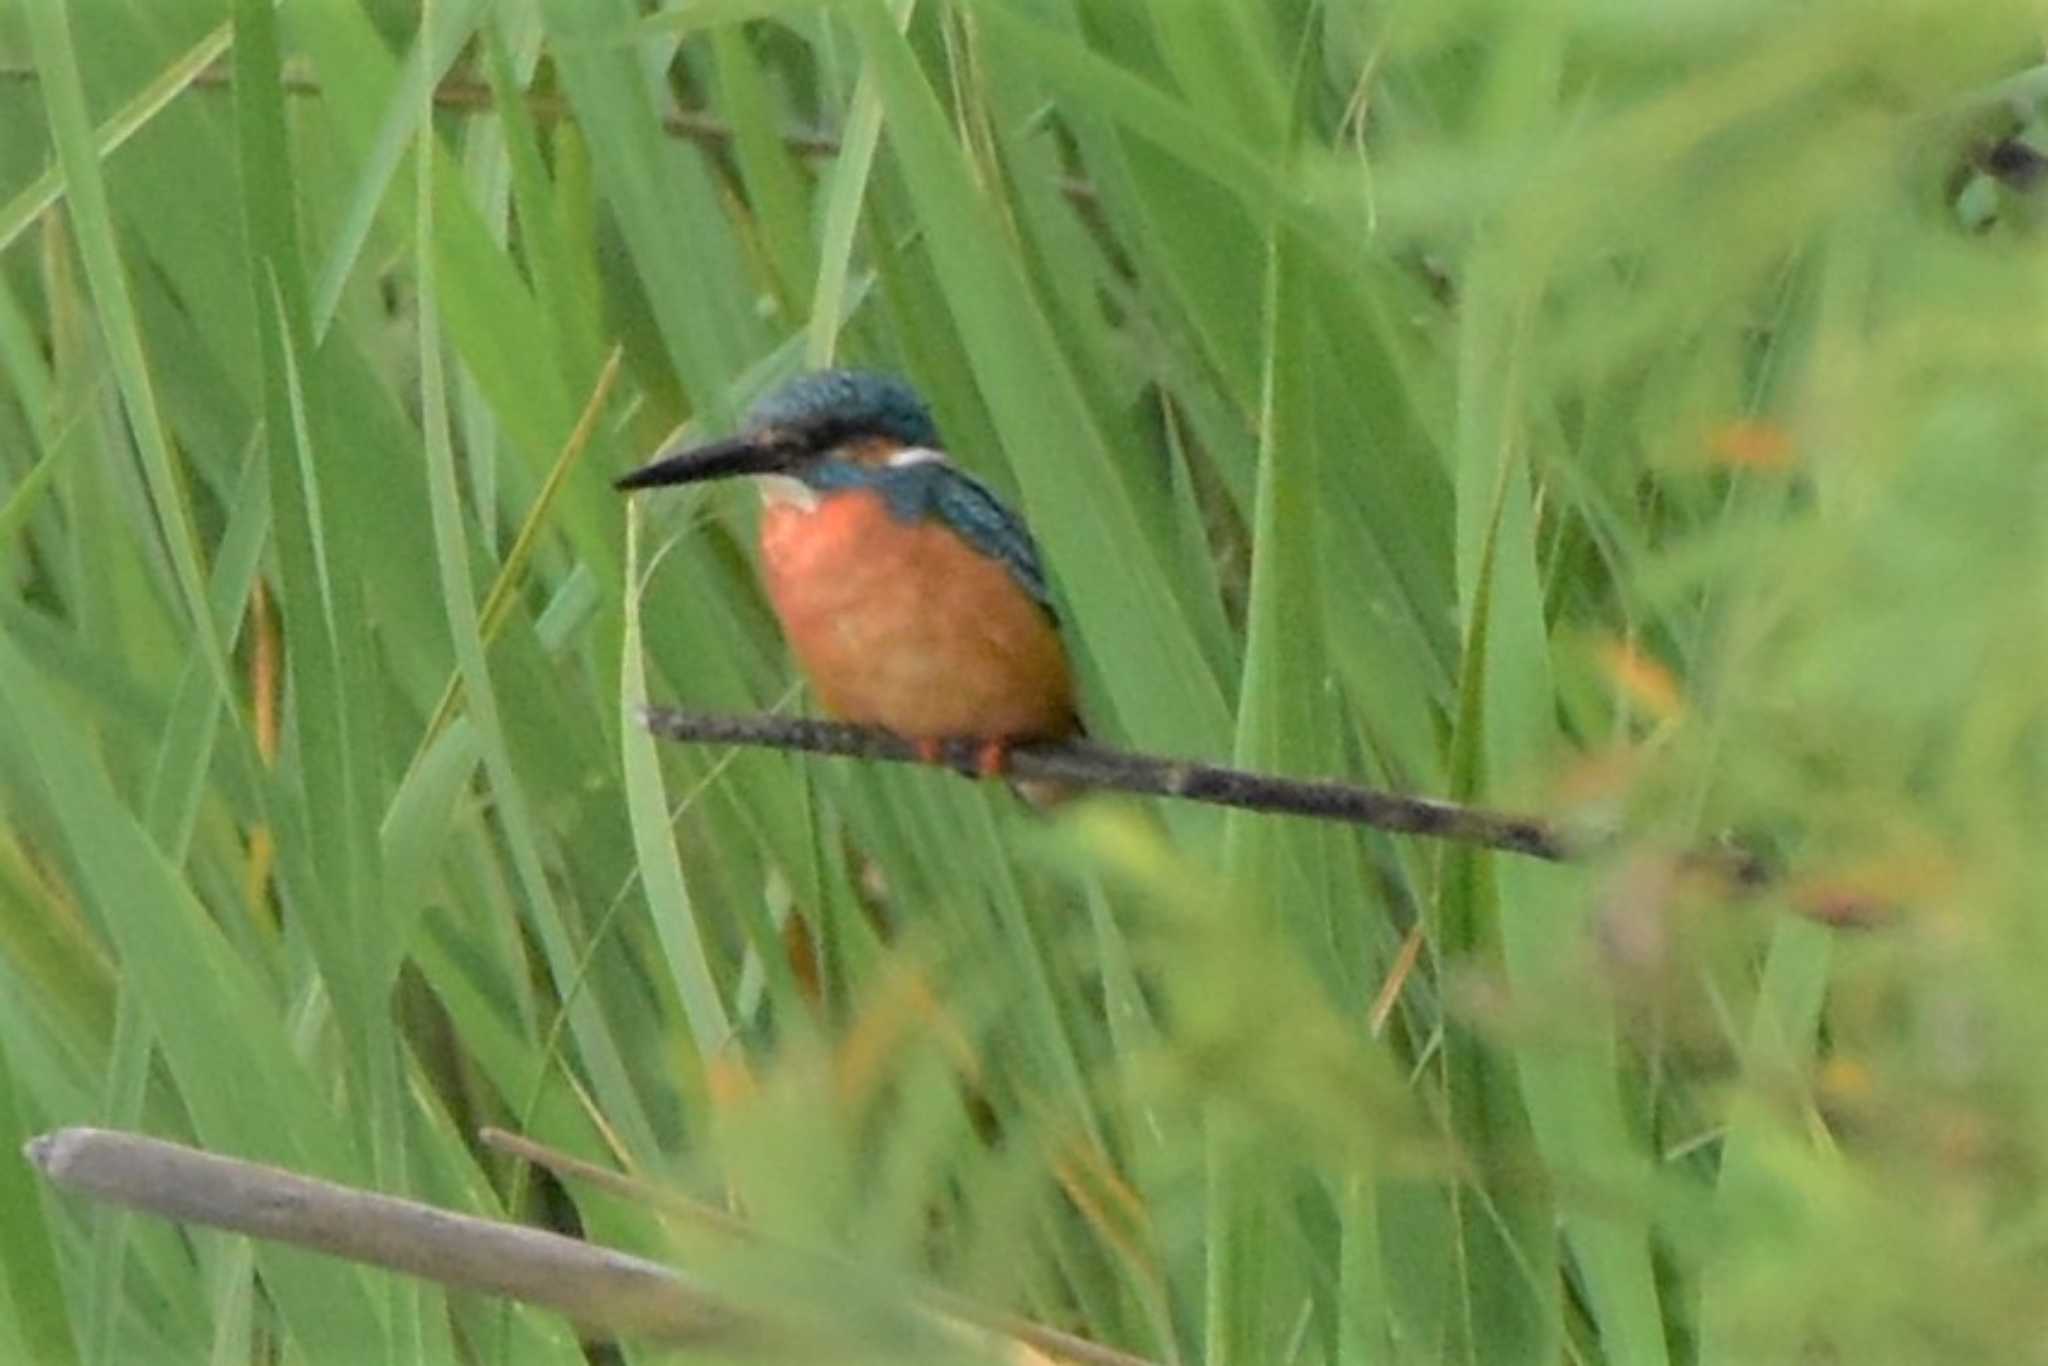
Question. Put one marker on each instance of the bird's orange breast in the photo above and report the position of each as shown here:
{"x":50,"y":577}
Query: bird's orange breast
{"x":905,"y":625}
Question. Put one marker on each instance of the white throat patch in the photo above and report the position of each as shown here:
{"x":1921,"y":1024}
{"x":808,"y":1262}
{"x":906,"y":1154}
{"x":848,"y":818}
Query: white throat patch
{"x":789,"y":491}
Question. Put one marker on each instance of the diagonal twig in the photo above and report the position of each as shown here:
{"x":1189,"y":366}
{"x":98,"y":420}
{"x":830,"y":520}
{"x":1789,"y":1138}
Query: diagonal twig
{"x":610,"y":1292}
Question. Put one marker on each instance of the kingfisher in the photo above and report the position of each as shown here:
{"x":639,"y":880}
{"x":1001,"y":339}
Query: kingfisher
{"x":912,"y":597}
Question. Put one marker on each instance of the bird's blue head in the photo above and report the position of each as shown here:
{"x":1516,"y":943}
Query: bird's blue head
{"x":839,"y":430}
{"x":834,"y":407}
{"x":834,"y":418}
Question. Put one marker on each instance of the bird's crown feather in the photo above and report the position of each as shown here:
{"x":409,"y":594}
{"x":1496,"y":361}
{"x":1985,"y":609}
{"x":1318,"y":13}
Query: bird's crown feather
{"x":836,"y":407}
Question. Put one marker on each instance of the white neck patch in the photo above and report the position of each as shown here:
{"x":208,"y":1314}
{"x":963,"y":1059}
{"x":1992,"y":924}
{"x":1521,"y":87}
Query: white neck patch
{"x":916,"y":455}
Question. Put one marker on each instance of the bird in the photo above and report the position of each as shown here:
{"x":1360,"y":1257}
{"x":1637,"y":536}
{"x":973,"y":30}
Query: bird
{"x":912,"y":597}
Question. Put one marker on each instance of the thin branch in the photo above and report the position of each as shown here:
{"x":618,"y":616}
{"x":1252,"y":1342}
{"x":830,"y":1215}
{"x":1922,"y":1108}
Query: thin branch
{"x":1082,"y":764}
{"x":467,"y":96}
{"x":460,"y":95}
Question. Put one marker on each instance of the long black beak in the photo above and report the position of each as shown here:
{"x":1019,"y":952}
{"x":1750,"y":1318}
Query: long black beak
{"x":757,"y":454}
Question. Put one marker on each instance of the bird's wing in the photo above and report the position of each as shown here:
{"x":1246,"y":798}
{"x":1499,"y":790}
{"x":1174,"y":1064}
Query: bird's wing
{"x":935,"y":489}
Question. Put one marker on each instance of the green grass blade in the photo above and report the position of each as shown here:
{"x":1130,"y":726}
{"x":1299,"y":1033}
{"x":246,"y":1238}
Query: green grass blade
{"x":30,"y":204}
{"x":211,"y":1039}
{"x":676,"y":920}
{"x":28,"y":1261}
{"x":592,"y":1032}
{"x":92,"y":219}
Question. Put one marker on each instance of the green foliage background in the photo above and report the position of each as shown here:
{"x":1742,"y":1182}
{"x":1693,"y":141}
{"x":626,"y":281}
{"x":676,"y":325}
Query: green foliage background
{"x":1362,"y":367}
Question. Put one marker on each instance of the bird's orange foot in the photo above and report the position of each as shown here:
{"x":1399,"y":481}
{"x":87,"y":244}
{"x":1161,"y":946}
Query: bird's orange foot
{"x":991,"y":757}
{"x":992,"y":760}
